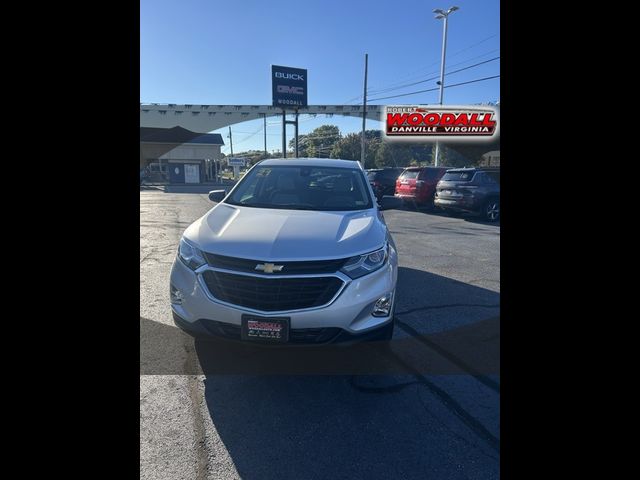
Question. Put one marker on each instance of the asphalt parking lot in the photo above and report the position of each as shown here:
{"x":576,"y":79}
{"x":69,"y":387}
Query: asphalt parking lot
{"x":428,"y":408}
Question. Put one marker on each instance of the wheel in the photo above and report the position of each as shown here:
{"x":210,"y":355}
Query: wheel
{"x":491,"y":210}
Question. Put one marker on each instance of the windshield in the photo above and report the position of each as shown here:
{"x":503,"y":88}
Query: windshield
{"x":302,"y":188}
{"x":373,"y":175}
{"x":458,"y":176}
{"x":409,"y":174}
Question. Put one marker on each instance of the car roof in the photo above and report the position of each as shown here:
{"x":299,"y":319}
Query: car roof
{"x":310,"y":162}
{"x":473,"y":169}
{"x":425,"y":168}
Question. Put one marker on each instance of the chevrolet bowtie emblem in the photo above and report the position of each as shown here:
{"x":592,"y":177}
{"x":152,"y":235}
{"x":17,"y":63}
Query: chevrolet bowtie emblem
{"x":269,"y":267}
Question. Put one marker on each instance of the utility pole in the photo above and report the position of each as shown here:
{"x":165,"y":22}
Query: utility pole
{"x":364,"y":109}
{"x":441,"y":14}
{"x":230,"y":141}
{"x":264,"y":116}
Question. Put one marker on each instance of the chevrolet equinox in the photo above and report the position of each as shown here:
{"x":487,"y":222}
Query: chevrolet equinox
{"x":297,"y":252}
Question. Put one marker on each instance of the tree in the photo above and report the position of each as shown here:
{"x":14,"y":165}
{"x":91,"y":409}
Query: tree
{"x":470,"y":154}
{"x":391,"y":154}
{"x":348,"y":148}
{"x":317,"y":143}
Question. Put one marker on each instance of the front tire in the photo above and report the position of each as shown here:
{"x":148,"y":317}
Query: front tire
{"x":491,"y":210}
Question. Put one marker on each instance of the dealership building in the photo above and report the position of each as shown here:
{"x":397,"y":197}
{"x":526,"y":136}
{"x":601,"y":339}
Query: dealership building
{"x":178,"y":155}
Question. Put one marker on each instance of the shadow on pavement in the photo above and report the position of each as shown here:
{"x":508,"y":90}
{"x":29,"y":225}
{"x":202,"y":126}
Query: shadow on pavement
{"x":467,"y":217}
{"x":371,"y":411}
{"x":419,"y":344}
{"x":321,"y":427}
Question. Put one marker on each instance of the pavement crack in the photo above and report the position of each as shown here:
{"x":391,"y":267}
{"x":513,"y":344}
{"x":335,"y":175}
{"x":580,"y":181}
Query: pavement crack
{"x":448,"y":305}
{"x":379,"y":390}
{"x":493,"y":385}
{"x":451,"y":431}
{"x":448,"y":401}
{"x":146,"y":256}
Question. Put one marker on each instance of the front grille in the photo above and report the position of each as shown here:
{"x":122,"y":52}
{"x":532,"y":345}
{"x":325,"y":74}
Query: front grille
{"x":289,"y":268}
{"x":296,"y":335}
{"x":271,"y":294}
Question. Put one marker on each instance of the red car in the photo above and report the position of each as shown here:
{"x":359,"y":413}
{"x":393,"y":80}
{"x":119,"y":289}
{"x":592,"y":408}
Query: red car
{"x":418,"y":184}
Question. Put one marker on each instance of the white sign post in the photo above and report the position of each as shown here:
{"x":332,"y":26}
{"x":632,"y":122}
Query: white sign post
{"x":236,"y":163}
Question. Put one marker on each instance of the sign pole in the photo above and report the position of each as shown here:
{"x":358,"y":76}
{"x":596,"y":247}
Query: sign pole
{"x":284,"y":133}
{"x":296,"y":133}
{"x":289,"y":90}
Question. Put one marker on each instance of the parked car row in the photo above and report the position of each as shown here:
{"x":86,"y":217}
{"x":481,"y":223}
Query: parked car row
{"x":473,"y":190}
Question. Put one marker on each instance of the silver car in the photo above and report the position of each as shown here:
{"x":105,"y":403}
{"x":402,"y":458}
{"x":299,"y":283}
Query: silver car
{"x":297,"y":252}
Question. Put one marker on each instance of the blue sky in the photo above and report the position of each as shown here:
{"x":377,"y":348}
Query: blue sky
{"x":215,"y":52}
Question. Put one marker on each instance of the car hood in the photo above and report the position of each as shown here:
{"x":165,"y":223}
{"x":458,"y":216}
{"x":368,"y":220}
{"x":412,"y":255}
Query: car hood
{"x":273,"y":234}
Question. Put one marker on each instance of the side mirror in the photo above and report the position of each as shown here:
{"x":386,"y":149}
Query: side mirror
{"x":217,"y":195}
{"x":389,"y":202}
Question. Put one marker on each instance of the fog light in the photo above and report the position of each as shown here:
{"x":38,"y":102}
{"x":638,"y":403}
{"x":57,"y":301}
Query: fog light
{"x":176,"y":295}
{"x":382,"y":306}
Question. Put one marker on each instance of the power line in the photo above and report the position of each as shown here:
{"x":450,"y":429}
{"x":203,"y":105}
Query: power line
{"x":433,"y":78}
{"x":437,"y":88}
{"x":411,"y":74}
{"x":247,"y":138}
{"x":394,"y":87}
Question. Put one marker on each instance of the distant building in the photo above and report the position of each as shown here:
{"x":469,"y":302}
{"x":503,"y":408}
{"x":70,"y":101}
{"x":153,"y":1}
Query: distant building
{"x":491,"y":159}
{"x":179,"y":155}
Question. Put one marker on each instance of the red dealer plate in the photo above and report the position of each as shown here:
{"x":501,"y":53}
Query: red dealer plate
{"x":265,"y":329}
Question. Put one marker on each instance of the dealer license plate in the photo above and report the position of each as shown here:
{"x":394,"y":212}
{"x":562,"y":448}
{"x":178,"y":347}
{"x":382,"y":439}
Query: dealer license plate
{"x":265,"y":329}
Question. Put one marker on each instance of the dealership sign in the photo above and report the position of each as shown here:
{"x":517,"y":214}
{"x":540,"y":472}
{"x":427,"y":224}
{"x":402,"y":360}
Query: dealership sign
{"x":236,"y":162}
{"x":289,"y":86}
{"x":438,"y":122}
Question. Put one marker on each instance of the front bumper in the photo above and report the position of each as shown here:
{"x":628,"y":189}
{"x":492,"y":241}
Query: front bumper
{"x":346,"y":319}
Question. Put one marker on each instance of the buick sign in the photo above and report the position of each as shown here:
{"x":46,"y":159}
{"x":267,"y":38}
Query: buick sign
{"x":289,"y":87}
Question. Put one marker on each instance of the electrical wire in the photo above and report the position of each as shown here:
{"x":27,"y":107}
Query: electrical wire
{"x":433,"y":78}
{"x":414,"y":73}
{"x":437,"y":88}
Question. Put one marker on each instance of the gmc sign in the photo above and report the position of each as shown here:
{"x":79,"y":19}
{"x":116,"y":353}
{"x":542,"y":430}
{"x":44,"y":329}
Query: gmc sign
{"x":289,"y":86}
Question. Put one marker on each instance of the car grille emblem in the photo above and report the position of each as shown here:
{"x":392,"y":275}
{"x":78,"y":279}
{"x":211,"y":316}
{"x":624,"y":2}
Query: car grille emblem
{"x":269,"y":267}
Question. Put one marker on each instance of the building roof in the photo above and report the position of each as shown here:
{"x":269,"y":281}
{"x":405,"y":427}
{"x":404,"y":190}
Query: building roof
{"x":178,"y":135}
{"x":146,"y":131}
{"x":209,"y":139}
{"x":493,"y":153}
{"x":310,"y":162}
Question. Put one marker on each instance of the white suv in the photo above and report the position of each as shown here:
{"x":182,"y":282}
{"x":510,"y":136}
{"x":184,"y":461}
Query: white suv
{"x":298,"y":252}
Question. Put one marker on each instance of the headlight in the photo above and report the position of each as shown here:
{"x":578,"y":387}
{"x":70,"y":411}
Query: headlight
{"x":190,"y":255}
{"x":362,"y":264}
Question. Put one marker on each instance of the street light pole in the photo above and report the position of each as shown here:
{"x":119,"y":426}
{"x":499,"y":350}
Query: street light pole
{"x":364,"y":111}
{"x":441,"y":14}
{"x":443,"y":59}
